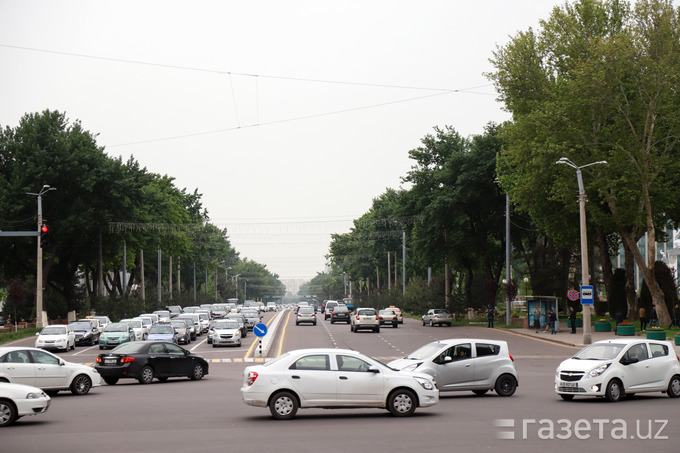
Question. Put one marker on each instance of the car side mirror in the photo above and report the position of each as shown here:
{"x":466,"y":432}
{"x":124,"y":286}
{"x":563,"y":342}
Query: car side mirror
{"x":629,"y":361}
{"x":373,"y":369}
{"x":37,"y":333}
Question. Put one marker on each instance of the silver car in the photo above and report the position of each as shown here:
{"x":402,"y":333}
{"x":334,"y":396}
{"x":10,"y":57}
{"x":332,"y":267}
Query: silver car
{"x":305,"y":314}
{"x":225,"y":332}
{"x":252,"y":316}
{"x":465,"y":364}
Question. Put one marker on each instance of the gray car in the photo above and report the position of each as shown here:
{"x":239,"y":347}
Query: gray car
{"x":437,"y":317}
{"x":305,"y":314}
{"x":465,"y":364}
{"x":252,"y":316}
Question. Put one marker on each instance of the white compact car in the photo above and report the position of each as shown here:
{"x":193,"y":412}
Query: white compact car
{"x":42,"y":369}
{"x":17,"y":400}
{"x":465,"y":364}
{"x":56,"y":337}
{"x":225,"y":332}
{"x":334,"y":378}
{"x":614,"y":368}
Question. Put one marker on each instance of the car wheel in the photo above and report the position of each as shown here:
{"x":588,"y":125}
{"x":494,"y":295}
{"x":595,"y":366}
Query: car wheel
{"x":214,"y":345}
{"x":377,"y":329}
{"x":395,"y":325}
{"x":506,"y":385}
{"x":401,"y":403}
{"x":567,"y":397}
{"x":101,"y":347}
{"x":431,"y":323}
{"x":479,"y":392}
{"x":332,"y":321}
{"x":196,"y":372}
{"x":348,"y":321}
{"x":423,"y":322}
{"x":8,"y":413}
{"x":111,"y":380}
{"x":146,"y":375}
{"x":314,"y":322}
{"x":81,"y":384}
{"x":614,"y":391}
{"x":283,"y":406}
{"x":674,"y":387}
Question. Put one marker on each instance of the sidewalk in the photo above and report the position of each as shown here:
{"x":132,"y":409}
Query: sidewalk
{"x":565,"y":336}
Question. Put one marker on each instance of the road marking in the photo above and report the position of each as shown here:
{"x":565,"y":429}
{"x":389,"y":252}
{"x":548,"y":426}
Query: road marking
{"x":283,"y":334}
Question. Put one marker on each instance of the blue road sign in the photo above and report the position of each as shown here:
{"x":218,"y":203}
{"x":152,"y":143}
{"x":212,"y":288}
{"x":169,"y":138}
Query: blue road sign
{"x":260,"y":330}
{"x":586,"y":295}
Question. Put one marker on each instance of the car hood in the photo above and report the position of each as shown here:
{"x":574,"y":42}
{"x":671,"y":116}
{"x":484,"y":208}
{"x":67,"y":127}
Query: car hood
{"x":53,"y":337}
{"x":400,"y":364}
{"x":226,"y":331}
{"x":581,"y":364}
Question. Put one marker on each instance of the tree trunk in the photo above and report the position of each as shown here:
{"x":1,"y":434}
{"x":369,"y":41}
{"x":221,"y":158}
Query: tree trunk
{"x":605,"y":261}
{"x":631,"y":297}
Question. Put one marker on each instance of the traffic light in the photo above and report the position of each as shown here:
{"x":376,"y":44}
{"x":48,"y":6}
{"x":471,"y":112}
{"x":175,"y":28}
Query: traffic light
{"x":44,"y":236}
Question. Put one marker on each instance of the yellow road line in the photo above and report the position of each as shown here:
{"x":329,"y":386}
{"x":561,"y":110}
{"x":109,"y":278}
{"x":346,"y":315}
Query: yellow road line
{"x":283,"y":334}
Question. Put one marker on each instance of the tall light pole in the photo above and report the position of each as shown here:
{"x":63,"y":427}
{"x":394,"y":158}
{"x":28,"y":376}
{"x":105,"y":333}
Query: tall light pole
{"x":40,"y":317}
{"x":585,"y":280}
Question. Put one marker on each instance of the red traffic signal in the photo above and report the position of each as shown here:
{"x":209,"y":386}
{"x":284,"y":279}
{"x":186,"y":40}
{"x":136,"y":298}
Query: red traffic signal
{"x":44,"y":229}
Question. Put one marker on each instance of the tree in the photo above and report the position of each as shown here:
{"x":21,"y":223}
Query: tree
{"x":599,"y":82}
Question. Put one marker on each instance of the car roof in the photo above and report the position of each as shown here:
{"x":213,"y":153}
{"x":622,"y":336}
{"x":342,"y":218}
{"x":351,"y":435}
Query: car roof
{"x":450,"y":341}
{"x":629,"y":341}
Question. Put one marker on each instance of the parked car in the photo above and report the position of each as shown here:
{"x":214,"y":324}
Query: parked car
{"x":17,"y":400}
{"x":340,"y":314}
{"x":305,"y":314}
{"x":465,"y":364}
{"x":39,"y":368}
{"x":622,"y":367}
{"x":114,"y":334}
{"x":56,"y":337}
{"x":225,"y":332}
{"x":146,"y":360}
{"x":137,"y":327}
{"x":437,"y":317}
{"x":162,"y":332}
{"x":365,"y":318}
{"x":388,"y":317}
{"x":86,"y":333}
{"x":334,"y":378}
{"x":328,"y":309}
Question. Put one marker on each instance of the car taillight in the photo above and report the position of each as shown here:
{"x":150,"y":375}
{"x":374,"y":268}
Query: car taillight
{"x":252,"y":375}
{"x":511,"y":357}
{"x":99,"y":360}
{"x":357,"y":317}
{"x":126,"y":359}
{"x":299,"y":315}
{"x":380,"y":317}
{"x":334,"y":313}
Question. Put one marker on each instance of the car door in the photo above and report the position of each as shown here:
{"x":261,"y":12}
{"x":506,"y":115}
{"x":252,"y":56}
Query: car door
{"x":486,"y":362}
{"x":18,"y":367}
{"x":159,"y":359}
{"x":637,"y":375}
{"x":313,"y":380}
{"x":356,"y":384}
{"x":49,"y":372}
{"x":180,"y":362}
{"x":454,"y":367}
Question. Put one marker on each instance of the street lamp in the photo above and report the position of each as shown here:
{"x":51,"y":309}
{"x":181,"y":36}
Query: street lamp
{"x":40,"y":316}
{"x":585,"y":280}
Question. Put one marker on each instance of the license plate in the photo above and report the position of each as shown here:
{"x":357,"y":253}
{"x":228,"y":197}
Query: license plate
{"x":110,"y":361}
{"x":568,"y":384}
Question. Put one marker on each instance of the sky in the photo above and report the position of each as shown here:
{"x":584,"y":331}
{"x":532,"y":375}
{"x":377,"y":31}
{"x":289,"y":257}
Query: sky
{"x":288,"y":116}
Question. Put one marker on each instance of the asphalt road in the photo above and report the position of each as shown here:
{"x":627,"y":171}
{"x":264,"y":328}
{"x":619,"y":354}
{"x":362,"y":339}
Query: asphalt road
{"x":209,"y":416}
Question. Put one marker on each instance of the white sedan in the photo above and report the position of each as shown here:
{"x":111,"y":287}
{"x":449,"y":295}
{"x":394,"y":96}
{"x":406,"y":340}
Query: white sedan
{"x":18,"y":400}
{"x":334,"y":378}
{"x":38,"y":368}
{"x":56,"y":337}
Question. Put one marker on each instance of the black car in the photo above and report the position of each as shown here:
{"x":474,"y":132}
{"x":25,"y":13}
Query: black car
{"x":340,"y":313}
{"x":146,"y":360}
{"x":86,"y":332}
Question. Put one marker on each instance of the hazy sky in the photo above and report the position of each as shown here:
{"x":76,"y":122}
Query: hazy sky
{"x":289,"y":117}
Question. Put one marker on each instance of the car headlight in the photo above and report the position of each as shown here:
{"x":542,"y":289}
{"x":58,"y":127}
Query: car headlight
{"x":412,"y":367}
{"x":597,"y":371}
{"x":35,"y":395}
{"x":427,"y":384}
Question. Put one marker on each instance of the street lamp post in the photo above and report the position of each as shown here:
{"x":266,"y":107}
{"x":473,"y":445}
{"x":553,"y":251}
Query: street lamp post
{"x":585,"y":279}
{"x":40,"y":316}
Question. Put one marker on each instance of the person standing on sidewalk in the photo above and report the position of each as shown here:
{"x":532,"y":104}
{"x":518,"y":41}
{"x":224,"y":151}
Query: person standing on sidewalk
{"x":552,"y":319}
{"x":490,"y":314}
{"x":643,"y":318}
{"x":674,"y":317}
{"x":572,"y":318}
{"x":653,"y":318}
{"x":537,"y":320}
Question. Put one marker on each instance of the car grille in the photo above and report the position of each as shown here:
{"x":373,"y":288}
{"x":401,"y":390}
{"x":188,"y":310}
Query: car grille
{"x":570,"y":376}
{"x":226,"y":337}
{"x":571,"y":390}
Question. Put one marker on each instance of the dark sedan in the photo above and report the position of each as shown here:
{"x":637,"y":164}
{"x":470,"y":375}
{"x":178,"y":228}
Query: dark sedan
{"x":146,"y":360}
{"x":340,"y":313}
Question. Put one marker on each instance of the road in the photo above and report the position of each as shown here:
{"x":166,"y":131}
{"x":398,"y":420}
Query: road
{"x":209,"y":416}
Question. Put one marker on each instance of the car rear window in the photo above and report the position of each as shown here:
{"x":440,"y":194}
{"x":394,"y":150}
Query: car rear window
{"x":366,"y":312}
{"x":658,"y":350}
{"x":487,"y":349}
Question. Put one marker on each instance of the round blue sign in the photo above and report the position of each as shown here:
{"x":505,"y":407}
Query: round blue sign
{"x":260,"y":330}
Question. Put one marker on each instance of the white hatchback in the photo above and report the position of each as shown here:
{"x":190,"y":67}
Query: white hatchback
{"x":334,"y":378}
{"x":615,"y":368}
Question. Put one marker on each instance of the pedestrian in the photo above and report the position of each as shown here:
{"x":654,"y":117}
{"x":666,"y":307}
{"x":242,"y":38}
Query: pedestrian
{"x":490,"y":314}
{"x":572,"y":318}
{"x":643,"y":318}
{"x":674,"y":317}
{"x":537,"y":319}
{"x":653,"y":318}
{"x":618,"y":317}
{"x":552,"y":319}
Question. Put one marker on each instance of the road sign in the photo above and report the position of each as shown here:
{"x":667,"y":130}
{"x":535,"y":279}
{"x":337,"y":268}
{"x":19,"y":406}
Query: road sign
{"x":260,"y":330}
{"x":572,"y":294}
{"x":586,"y":295}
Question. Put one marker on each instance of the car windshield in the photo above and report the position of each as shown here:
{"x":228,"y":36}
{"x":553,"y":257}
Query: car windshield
{"x":226,"y":325}
{"x":604,"y":351}
{"x":426,"y":351}
{"x":250,"y":313}
{"x":133,"y":324}
{"x":53,"y":330}
{"x":387,"y":313}
{"x":80,"y":325}
{"x":179,"y":325}
{"x":117,"y":327}
{"x":165,"y":328}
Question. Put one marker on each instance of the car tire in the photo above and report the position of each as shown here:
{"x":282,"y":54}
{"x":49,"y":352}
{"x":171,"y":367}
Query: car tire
{"x":146,"y":375}
{"x":395,"y":325}
{"x":431,"y":323}
{"x":332,"y":321}
{"x":197,"y":372}
{"x":314,"y":322}
{"x":81,"y":384}
{"x":505,"y":385}
{"x":423,"y":322}
{"x":614,"y":391}
{"x":283,"y":406}
{"x":111,"y":380}
{"x":567,"y":397}
{"x":402,"y":403}
{"x":8,"y":412}
{"x":674,"y":387}
{"x":214,"y":345}
{"x":377,"y":329}
{"x":479,"y":392}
